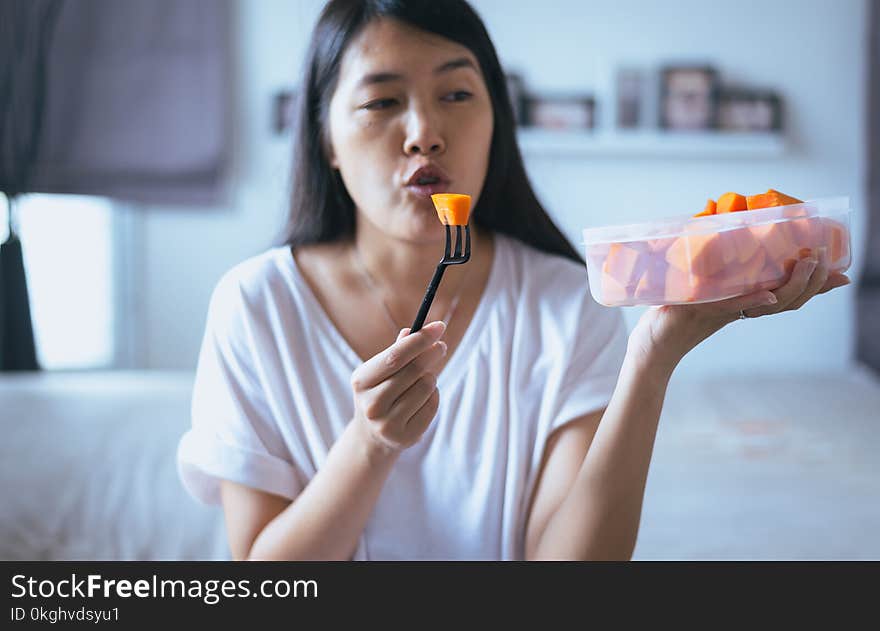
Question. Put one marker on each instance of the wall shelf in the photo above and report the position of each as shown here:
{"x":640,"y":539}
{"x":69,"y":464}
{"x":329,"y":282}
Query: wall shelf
{"x":649,"y":144}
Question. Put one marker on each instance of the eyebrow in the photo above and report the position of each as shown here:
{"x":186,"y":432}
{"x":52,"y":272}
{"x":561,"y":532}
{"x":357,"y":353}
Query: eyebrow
{"x":385,"y":77}
{"x":461,"y":62}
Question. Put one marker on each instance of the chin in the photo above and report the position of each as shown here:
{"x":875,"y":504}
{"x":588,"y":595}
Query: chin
{"x":421,"y":233}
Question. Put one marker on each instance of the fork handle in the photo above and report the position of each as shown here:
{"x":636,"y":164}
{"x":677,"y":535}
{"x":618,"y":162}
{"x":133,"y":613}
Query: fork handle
{"x":428,"y":299}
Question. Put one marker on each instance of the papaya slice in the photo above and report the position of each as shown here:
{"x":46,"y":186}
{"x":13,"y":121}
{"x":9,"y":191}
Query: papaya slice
{"x":776,"y":239}
{"x":795,"y":211}
{"x":752,"y":269}
{"x":744,"y":243}
{"x":677,"y":286}
{"x":769,"y":199}
{"x":750,"y":272}
{"x":651,"y":285}
{"x":762,"y":200}
{"x":700,"y":254}
{"x":659,"y":246}
{"x":613,"y":293}
{"x":680,"y":286}
{"x":837,"y":241}
{"x":710,"y":209}
{"x":737,"y":277}
{"x":731,"y":202}
{"x":452,"y":208}
{"x":772,"y":275}
{"x":807,"y":232}
{"x":623,"y":264}
{"x":789,"y":263}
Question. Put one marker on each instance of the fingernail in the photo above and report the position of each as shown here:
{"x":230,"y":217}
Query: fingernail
{"x":443,"y":346}
{"x":436,"y":328}
{"x":771,"y":300}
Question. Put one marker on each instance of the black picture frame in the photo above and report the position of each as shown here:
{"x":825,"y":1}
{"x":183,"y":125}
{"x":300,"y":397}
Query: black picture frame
{"x":749,"y":110}
{"x":688,"y":98}
{"x":516,"y":91}
{"x":282,"y":111}
{"x":560,"y":112}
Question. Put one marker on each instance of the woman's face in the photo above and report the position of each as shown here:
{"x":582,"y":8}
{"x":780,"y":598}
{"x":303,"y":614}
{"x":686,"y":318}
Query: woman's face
{"x":411,"y":116}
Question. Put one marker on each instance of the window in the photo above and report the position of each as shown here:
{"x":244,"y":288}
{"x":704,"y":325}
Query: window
{"x":68,"y":249}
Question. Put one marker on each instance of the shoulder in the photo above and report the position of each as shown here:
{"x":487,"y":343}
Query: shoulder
{"x":542,"y":278}
{"x":253,"y":275}
{"x":535,"y":267}
{"x":553,"y":298}
{"x":244,"y":289}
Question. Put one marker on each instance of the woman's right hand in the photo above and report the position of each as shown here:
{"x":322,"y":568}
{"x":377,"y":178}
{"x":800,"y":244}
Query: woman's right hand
{"x":395,"y":391}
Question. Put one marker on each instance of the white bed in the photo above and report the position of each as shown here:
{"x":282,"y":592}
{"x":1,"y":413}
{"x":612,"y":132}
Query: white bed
{"x":747,"y":468}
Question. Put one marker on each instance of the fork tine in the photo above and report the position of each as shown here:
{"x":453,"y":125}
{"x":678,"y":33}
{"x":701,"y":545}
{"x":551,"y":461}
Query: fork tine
{"x":447,"y":260}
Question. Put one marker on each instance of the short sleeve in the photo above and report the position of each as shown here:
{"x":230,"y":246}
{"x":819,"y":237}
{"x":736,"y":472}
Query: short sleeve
{"x":233,"y":435}
{"x":594,"y":361}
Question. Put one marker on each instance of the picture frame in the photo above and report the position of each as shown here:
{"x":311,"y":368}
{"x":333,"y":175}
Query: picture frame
{"x":568,"y":112}
{"x":282,"y":111}
{"x":688,"y":98}
{"x":629,"y":95}
{"x":748,"y":110}
{"x":516,"y":91}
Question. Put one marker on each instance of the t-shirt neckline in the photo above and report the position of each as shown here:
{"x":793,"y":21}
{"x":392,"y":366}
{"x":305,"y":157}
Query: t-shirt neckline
{"x":466,"y":347}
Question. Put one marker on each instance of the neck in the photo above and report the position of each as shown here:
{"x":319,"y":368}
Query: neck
{"x":405,"y":268}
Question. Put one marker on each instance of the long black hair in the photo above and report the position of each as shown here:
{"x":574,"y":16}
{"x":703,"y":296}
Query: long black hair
{"x":321,"y":209}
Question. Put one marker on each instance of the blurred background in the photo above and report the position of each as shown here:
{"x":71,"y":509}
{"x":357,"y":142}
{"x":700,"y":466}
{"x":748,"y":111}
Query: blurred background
{"x":145,"y":151}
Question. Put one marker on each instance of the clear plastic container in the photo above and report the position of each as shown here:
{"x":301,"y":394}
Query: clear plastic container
{"x":702,"y":259}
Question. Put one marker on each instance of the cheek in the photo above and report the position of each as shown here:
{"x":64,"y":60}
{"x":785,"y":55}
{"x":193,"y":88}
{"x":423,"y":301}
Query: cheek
{"x":361,"y":150}
{"x":473,"y":142}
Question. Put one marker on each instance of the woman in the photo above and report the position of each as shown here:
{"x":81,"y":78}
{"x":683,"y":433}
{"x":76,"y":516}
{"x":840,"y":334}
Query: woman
{"x":328,"y":431}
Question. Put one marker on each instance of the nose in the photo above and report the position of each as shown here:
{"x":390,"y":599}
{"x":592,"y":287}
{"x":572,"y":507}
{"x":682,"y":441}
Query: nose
{"x":423,"y":135}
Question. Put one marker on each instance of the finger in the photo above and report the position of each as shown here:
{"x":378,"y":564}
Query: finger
{"x":834,"y":281}
{"x":420,"y":421}
{"x":413,"y":399}
{"x":797,"y":284}
{"x":732,"y":306}
{"x":816,"y":282}
{"x":380,"y":398}
{"x":382,"y":365}
{"x":403,"y":333}
{"x":790,"y":291}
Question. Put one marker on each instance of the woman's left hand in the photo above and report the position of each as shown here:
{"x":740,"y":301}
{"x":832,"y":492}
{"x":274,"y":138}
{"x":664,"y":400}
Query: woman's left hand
{"x":666,"y":334}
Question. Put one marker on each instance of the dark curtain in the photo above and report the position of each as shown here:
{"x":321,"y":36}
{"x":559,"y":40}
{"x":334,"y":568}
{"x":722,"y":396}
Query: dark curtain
{"x":138,"y":105}
{"x":868,"y":297}
{"x":26,"y":28}
{"x":16,"y":329}
{"x":128,"y":99}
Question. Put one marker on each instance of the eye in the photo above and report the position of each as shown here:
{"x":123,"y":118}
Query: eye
{"x":458,"y":95}
{"x":379,"y":104}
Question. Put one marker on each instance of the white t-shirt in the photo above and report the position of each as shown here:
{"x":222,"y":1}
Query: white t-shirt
{"x":272,"y":394}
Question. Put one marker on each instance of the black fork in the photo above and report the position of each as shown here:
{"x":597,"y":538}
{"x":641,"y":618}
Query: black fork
{"x":449,"y":258}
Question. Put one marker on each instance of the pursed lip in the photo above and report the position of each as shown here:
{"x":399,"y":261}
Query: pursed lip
{"x":426,"y":171}
{"x":437,"y":181}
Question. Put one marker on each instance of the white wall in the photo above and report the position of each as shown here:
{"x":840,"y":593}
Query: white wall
{"x":812,"y":51}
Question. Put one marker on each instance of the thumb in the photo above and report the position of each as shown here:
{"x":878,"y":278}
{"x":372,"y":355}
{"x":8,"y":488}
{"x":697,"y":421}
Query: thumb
{"x":403,"y":333}
{"x":732,"y":306}
{"x":763,"y":299}
{"x":754,"y":301}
